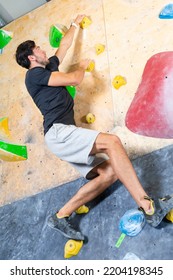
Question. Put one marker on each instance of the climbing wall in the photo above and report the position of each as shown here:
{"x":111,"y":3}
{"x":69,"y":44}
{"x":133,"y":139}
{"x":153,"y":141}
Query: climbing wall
{"x":43,"y":170}
{"x":129,"y":32}
{"x":134,"y":34}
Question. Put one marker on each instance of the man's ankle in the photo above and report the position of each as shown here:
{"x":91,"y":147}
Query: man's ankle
{"x":147,"y":204}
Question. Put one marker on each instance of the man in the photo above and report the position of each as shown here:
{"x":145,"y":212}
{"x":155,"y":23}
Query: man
{"x":81,"y":147}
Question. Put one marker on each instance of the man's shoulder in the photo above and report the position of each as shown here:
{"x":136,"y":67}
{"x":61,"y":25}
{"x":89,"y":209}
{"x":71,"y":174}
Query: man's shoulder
{"x":37,"y":76}
{"x":34,"y":71}
{"x":53,"y":63}
{"x":54,"y":58}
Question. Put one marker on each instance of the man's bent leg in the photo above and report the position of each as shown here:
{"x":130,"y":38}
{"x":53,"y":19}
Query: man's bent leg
{"x":122,"y":166}
{"x":92,"y":189}
{"x":112,"y":146}
{"x":86,"y":193}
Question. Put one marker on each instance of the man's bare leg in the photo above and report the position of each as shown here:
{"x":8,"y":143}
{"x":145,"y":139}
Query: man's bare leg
{"x":117,"y":167}
{"x":90,"y":190}
{"x":112,"y":146}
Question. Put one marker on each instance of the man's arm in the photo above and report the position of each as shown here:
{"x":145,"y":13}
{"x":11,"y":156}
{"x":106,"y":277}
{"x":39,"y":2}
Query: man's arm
{"x":73,"y":78}
{"x":68,"y":39}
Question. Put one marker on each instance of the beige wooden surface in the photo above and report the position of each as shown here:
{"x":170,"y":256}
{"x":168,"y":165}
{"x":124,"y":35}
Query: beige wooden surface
{"x":131,"y":32}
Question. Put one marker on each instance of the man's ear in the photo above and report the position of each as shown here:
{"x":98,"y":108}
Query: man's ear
{"x":31,"y":57}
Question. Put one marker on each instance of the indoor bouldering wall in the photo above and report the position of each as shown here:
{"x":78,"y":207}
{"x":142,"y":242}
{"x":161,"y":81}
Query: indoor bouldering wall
{"x":129,"y":33}
{"x":135,"y":33}
{"x":43,"y":170}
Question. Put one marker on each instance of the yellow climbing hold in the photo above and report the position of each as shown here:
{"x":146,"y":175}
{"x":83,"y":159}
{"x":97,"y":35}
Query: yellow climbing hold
{"x":82,"y":210}
{"x":72,"y":248}
{"x":5,"y":156}
{"x":90,"y":118}
{"x":119,"y":81}
{"x":85,"y":22}
{"x":99,"y":48}
{"x":9,"y":151}
{"x":169,"y":216}
{"x":4,"y":129}
{"x":91,"y":66}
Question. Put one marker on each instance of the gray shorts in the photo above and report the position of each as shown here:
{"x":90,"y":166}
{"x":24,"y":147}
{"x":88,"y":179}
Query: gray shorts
{"x":74,"y":144}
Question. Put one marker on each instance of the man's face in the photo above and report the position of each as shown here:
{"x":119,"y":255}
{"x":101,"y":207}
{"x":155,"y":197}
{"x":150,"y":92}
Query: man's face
{"x":40,"y":56}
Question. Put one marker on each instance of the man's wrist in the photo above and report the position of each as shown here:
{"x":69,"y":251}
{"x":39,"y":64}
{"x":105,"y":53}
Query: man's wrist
{"x":74,"y":24}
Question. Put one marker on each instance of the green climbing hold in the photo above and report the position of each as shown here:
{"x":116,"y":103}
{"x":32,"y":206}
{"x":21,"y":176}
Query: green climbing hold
{"x":12,"y":152}
{"x":5,"y":38}
{"x":72,"y":91}
{"x":56,"y":33}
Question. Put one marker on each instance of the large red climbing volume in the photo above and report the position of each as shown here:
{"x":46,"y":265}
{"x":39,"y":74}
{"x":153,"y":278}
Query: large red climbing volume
{"x":151,"y":111}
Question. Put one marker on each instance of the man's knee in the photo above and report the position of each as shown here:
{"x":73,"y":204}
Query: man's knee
{"x":113,"y":141}
{"x":107,"y":174}
{"x":105,"y":142}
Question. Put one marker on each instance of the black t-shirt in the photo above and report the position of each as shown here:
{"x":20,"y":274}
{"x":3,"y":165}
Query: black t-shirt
{"x":55,"y":103}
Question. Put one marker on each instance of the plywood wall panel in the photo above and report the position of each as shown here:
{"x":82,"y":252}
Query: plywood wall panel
{"x":42,"y":170}
{"x":134,"y":33}
{"x":131,"y":33}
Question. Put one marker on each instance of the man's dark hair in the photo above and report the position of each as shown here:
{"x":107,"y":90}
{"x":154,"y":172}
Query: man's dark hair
{"x":22,"y":52}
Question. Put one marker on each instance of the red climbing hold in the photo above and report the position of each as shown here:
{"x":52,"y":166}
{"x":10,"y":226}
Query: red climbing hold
{"x":151,"y":111}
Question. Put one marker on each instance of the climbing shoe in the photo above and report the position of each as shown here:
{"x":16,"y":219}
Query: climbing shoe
{"x":64,"y":226}
{"x":158,"y":209}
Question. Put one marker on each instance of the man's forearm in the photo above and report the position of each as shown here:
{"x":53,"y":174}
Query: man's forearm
{"x":67,"y":40}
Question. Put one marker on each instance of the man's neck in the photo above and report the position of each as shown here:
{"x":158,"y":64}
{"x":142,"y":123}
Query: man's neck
{"x":33,"y":65}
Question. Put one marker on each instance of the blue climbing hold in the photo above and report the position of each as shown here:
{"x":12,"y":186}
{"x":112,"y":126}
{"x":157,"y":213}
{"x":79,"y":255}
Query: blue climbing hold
{"x":132,"y":222}
{"x":167,"y":12}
